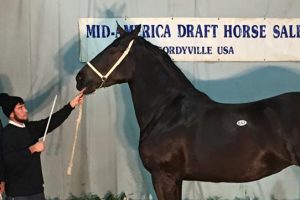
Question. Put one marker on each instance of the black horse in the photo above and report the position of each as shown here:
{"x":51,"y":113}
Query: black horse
{"x":185,"y":135}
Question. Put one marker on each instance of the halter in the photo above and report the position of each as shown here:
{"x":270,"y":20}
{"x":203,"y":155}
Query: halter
{"x":104,"y":77}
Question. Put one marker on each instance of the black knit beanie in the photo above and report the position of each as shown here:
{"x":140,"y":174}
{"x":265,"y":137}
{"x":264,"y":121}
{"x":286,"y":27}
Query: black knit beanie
{"x":8,"y":103}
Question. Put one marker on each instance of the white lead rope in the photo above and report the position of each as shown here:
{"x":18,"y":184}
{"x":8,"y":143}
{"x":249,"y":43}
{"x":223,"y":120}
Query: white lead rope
{"x":70,"y":166}
{"x":49,"y":119}
{"x":104,"y":77}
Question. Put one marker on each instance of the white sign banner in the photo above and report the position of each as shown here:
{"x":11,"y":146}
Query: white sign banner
{"x":201,"y":39}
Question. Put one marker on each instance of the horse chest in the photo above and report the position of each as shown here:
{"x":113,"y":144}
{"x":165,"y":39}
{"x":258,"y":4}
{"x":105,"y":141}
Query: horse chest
{"x":162,"y":152}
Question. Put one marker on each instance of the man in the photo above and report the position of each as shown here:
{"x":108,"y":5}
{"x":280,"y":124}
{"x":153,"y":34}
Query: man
{"x":21,"y":147}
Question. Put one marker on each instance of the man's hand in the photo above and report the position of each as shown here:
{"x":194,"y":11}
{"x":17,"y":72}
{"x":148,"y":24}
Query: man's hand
{"x":2,"y":187}
{"x":37,"y":147}
{"x":77,"y":100}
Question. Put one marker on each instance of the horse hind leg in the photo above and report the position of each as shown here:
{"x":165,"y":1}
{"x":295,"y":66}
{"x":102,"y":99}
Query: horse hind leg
{"x":167,"y":187}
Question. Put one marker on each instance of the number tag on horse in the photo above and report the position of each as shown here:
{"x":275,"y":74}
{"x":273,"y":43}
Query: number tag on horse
{"x":241,"y":122}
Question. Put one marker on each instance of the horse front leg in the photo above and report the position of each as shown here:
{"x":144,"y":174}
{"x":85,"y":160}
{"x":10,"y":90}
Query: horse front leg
{"x":167,"y":187}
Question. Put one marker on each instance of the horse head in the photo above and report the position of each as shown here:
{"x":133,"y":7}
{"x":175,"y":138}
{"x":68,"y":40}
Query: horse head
{"x":111,"y":66}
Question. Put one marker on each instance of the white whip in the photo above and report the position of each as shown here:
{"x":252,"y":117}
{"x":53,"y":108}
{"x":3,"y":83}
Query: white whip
{"x":44,"y":138}
{"x":70,"y":166}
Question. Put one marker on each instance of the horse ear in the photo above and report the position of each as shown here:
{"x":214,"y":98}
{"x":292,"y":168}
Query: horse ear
{"x":137,"y":30}
{"x":120,"y":30}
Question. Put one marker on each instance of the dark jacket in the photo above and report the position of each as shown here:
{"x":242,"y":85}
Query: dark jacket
{"x":23,"y":171}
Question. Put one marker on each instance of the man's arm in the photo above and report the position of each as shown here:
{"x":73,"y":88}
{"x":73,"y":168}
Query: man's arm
{"x":17,"y":158}
{"x":38,"y":127}
{"x":13,"y":156}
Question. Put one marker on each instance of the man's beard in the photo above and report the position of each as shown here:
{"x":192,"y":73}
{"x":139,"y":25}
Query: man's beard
{"x":21,"y":120}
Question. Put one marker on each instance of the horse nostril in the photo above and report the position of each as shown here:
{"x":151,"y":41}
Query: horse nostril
{"x":78,"y":77}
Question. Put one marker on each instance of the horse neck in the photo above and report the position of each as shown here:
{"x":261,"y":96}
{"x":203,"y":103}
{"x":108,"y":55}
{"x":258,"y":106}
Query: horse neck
{"x":156,"y":81}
